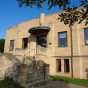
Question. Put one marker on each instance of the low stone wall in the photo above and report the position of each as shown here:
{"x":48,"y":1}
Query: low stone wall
{"x":31,"y":74}
{"x":28,"y":73}
{"x":7,"y":62}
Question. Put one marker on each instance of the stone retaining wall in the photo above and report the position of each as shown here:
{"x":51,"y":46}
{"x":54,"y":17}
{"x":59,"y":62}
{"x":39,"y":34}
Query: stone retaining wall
{"x":27,"y":73}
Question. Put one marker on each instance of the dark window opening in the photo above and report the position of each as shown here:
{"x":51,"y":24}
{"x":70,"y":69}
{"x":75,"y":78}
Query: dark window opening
{"x":11,"y":45}
{"x":62,"y":39}
{"x":42,"y":40}
{"x":58,"y":65}
{"x":66,"y":65}
{"x":86,"y":36}
{"x":25,"y":43}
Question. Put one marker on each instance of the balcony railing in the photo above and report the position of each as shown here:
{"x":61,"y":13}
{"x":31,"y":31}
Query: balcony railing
{"x":20,"y":51}
{"x":36,"y":50}
{"x":42,"y":50}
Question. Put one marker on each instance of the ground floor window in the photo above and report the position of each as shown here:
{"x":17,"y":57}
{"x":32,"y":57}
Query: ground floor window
{"x":66,"y":65}
{"x":58,"y":65}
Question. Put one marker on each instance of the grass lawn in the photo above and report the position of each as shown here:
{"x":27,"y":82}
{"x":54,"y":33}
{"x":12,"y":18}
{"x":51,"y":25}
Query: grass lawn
{"x":81,"y":82}
{"x":9,"y":83}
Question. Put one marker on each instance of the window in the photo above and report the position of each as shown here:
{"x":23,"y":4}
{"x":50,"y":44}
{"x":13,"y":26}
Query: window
{"x":25,"y":43}
{"x":62,"y":39}
{"x":86,"y":36}
{"x":11,"y":45}
{"x":42,"y":40}
{"x":66,"y":65}
{"x":58,"y":65}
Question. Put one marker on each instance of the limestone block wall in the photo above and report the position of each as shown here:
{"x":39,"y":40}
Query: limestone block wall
{"x":7,"y":65}
{"x":83,"y":49}
{"x":53,"y":51}
{"x":85,"y":68}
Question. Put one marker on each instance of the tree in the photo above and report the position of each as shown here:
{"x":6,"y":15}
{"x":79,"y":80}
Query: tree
{"x":40,"y":3}
{"x":69,"y":16}
{"x":2,"y":42}
{"x":64,"y":4}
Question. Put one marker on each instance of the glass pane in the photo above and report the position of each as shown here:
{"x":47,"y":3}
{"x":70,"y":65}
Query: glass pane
{"x":62,"y":35}
{"x":62,"y":39}
{"x":11,"y":45}
{"x":58,"y":65}
{"x":25,"y":43}
{"x":66,"y":65}
{"x":86,"y":35}
{"x":42,"y":40}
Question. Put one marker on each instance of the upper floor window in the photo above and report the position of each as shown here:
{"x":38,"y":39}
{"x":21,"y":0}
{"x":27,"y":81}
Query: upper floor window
{"x":86,"y":36}
{"x":25,"y":43}
{"x":11,"y":45}
{"x":42,"y":40}
{"x":62,"y":39}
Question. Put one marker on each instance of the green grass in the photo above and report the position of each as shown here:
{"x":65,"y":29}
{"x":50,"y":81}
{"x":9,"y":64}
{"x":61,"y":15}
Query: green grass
{"x":81,"y":82}
{"x":9,"y":83}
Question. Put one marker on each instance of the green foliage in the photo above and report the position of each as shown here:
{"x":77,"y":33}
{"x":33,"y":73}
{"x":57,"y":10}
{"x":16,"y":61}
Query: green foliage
{"x":9,"y":83}
{"x":40,"y":3}
{"x":81,"y":82}
{"x":2,"y":42}
{"x":70,"y":14}
{"x":31,"y":3}
{"x":50,"y":3}
{"x":84,"y":15}
{"x":59,"y":3}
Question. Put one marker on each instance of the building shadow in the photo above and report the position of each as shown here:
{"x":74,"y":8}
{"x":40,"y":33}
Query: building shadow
{"x":52,"y":84}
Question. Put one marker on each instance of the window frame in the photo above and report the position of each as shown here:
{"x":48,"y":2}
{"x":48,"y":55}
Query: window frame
{"x":85,"y":36}
{"x":11,"y":47}
{"x":39,"y":43}
{"x":59,"y":44}
{"x":23,"y":43}
{"x":66,"y":68}
{"x":58,"y":69}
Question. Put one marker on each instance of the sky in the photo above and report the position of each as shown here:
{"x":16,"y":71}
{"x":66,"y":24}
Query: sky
{"x":11,"y":14}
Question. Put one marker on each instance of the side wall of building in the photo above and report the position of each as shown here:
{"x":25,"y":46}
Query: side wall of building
{"x":53,"y":52}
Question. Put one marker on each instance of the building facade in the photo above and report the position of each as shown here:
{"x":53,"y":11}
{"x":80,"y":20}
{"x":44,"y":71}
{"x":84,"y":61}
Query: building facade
{"x":49,"y":40}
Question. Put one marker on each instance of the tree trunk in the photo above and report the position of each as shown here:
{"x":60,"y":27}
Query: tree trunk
{"x":71,"y":40}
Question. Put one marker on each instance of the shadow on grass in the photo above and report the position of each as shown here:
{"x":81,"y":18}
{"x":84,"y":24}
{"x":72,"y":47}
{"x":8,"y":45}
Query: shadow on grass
{"x":9,"y":83}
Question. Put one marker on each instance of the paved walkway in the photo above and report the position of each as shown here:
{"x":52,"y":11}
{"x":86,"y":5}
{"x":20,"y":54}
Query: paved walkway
{"x":57,"y":84}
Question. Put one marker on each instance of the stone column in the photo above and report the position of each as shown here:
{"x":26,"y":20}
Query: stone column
{"x":32,"y":46}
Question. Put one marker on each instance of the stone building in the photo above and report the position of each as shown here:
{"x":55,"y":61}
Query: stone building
{"x":49,"y":40}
